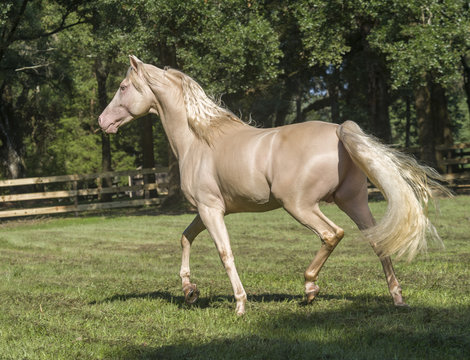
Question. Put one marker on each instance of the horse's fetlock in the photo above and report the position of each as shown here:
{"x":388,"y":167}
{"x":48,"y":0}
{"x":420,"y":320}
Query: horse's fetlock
{"x":310,"y":276}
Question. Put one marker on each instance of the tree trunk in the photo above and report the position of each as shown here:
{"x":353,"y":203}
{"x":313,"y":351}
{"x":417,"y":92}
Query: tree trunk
{"x":11,"y":145}
{"x":281,"y":112}
{"x":377,"y":88}
{"x":12,"y":161}
{"x":408,"y":120}
{"x":379,"y":120}
{"x":147,"y":150}
{"x":425,"y":128}
{"x":433,"y":122}
{"x":440,"y":115}
{"x":440,"y":121}
{"x":298,"y":109}
{"x":101,"y":73}
{"x":333,"y":86}
{"x":466,"y":78}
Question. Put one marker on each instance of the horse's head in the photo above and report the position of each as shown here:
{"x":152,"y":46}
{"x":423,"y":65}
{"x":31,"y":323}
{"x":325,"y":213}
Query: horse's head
{"x":133,"y":99}
{"x":168,"y":93}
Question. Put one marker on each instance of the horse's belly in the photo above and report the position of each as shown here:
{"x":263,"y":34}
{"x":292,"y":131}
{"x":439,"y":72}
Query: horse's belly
{"x":244,"y":204}
{"x":248,"y":194}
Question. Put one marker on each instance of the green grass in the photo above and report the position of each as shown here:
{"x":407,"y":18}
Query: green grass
{"x":107,"y":287}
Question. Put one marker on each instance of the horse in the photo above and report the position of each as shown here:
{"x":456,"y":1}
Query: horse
{"x":229,"y":166}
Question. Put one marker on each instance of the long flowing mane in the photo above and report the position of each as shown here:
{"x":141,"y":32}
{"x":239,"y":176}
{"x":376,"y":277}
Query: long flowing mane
{"x":205,"y":115}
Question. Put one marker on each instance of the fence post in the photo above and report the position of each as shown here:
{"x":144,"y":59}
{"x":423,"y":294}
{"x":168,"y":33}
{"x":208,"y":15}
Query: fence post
{"x":98,"y":182}
{"x":130,"y":182}
{"x":146,"y":191}
{"x":75,"y":201}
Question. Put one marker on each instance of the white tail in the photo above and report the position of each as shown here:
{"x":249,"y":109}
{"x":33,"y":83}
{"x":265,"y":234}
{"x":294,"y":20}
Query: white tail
{"x":407,"y":186}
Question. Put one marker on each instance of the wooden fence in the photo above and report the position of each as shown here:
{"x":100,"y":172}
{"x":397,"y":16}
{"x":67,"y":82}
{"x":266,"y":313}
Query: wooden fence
{"x":453,"y":162}
{"x":454,"y":159}
{"x":74,"y":193}
{"x":450,"y":158}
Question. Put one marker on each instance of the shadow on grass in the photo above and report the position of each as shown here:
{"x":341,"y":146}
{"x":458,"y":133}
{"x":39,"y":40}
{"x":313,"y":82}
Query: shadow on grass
{"x":358,"y":329}
{"x":352,"y":332}
{"x":202,"y":302}
{"x":211,"y":301}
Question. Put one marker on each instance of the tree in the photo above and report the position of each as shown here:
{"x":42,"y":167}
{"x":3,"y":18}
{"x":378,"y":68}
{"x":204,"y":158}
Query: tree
{"x":229,"y":47}
{"x":336,"y":36}
{"x":27,"y":30}
{"x":383,"y":50}
{"x":279,"y":62}
{"x":466,"y":76}
{"x":424,"y":43}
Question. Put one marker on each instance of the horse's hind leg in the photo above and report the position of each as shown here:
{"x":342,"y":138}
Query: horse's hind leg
{"x":393,"y":284}
{"x":330,"y":235}
{"x":191,"y":293}
{"x":358,"y":210}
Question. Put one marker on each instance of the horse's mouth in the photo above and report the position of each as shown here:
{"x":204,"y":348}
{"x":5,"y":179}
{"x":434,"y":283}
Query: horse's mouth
{"x":112,"y":128}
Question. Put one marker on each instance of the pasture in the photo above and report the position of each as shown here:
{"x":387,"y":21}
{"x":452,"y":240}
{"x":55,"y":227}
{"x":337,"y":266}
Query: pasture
{"x":108,"y":287}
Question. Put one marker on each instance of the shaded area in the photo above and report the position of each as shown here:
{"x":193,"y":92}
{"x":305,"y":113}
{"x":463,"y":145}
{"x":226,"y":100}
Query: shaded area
{"x":353,"y":332}
{"x":356,"y":330}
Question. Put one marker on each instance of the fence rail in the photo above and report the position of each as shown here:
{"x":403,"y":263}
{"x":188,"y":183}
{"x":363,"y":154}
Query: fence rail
{"x":450,"y":158}
{"x":75,"y":193}
{"x":453,"y":161}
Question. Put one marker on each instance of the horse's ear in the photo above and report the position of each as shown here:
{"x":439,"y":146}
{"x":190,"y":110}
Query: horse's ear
{"x":136,"y":64}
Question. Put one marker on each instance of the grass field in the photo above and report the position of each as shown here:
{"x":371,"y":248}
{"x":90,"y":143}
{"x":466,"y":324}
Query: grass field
{"x":107,"y":287}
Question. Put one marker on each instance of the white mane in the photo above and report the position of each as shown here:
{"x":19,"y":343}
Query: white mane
{"x":204,"y":114}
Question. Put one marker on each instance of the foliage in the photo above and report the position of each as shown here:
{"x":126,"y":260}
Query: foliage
{"x":279,"y":62}
{"x":107,"y":287}
{"x":229,"y":33}
{"x":420,"y":37}
{"x":29,"y":81}
{"x":326,"y":44}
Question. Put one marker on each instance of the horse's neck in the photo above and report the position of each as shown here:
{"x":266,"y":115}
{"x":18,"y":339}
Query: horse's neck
{"x":178,"y":132}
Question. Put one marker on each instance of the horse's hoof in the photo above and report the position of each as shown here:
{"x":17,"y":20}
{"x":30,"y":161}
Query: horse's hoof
{"x":402,"y":305}
{"x":191,"y":293}
{"x":240,"y":311}
{"x":312,"y":294}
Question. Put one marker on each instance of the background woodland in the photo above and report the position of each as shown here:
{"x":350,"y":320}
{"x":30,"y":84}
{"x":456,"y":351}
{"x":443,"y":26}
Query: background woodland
{"x":401,"y":69}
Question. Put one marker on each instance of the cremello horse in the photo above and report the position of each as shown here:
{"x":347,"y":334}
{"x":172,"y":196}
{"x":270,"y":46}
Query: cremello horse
{"x":227,"y":166}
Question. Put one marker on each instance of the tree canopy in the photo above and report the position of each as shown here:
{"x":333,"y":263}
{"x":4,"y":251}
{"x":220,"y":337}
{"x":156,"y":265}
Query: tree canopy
{"x":400,"y":69}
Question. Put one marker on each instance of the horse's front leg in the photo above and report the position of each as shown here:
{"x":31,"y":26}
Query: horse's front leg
{"x":191,"y":293}
{"x":214,"y":221}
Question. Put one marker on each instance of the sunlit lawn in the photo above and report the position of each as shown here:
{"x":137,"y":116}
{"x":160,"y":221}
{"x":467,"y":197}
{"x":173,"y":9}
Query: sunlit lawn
{"x":107,"y":287}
